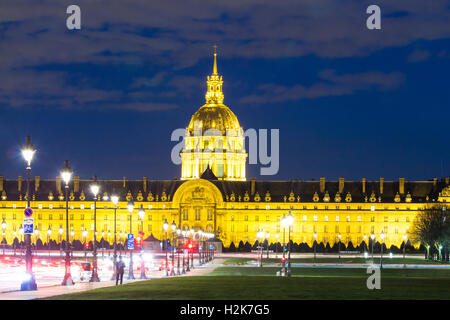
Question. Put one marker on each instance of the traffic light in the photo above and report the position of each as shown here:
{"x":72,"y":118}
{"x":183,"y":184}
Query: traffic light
{"x":86,"y":245}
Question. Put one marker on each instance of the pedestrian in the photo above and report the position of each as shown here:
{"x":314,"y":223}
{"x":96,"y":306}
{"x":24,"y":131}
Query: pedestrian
{"x":120,"y":269}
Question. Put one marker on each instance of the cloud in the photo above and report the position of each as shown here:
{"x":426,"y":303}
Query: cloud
{"x":174,"y":35}
{"x":331,"y":85}
{"x":418,"y":55}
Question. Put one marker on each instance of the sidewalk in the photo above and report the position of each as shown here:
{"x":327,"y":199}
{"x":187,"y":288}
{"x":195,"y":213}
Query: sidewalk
{"x":56,"y":290}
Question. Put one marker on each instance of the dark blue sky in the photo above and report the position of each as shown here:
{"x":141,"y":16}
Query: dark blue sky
{"x":349,"y":102}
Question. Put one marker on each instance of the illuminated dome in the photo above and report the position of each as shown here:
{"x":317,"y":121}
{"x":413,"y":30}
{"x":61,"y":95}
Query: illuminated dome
{"x":214,"y":139}
{"x":214,"y":116}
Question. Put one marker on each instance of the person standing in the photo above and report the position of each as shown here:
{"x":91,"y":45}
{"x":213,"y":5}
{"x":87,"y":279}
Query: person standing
{"x":120,"y":267}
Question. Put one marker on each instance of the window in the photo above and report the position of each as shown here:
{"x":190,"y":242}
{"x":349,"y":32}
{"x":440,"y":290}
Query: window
{"x":256,"y":218}
{"x":232,"y":218}
{"x":348,"y":229}
{"x":210,"y":214}
{"x":337,"y":218}
{"x":315,"y":218}
{"x":359,"y":218}
{"x":386,"y":219}
{"x":326,"y":218}
{"x":185,"y":214}
{"x":40,"y":205}
{"x":82,"y":217}
{"x":149,"y":227}
{"x":197,"y":214}
{"x":396,"y":219}
{"x":81,"y":206}
{"x":267,"y":218}
{"x":407,"y":219}
{"x":220,"y":170}
{"x":304,"y":218}
{"x":336,"y":229}
{"x":245,"y":218}
{"x":149,"y":217}
{"x":246,"y":228}
{"x":348,"y":207}
{"x":50,"y":217}
{"x":92,"y":207}
{"x":372,"y":219}
{"x":325,"y":229}
{"x":348,"y":218}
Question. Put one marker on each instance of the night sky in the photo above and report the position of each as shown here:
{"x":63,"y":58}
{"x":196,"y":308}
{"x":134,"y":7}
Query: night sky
{"x":349,"y":102}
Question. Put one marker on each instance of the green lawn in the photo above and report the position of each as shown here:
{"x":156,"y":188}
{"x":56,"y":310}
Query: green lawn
{"x":259,"y":283}
{"x":386,"y":260}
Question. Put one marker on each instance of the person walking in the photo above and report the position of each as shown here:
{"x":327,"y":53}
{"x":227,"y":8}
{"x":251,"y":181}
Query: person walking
{"x":120,"y":267}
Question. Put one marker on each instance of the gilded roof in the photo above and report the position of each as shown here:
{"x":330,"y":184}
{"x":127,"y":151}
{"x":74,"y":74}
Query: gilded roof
{"x":214,"y":116}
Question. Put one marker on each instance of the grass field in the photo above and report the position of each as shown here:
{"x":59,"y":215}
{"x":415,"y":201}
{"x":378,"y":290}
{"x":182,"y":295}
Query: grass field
{"x":260,"y":283}
{"x":386,"y":260}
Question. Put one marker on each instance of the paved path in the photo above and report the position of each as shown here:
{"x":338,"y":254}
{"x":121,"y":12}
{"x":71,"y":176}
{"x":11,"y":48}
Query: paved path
{"x":57,"y":290}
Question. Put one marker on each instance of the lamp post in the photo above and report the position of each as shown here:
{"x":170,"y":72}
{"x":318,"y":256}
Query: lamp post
{"x":173,"y":226}
{"x":260,"y":235}
{"x":192,"y":251}
{"x":382,"y":238}
{"x":115,"y":200}
{"x":283,"y":224}
{"x":372,"y":237}
{"x":49,"y":233}
{"x":178,"y":253}
{"x":339,"y":244}
{"x":183,"y":233}
{"x":66,"y":174}
{"x":200,"y":247}
{"x":289,"y":222}
{"x":405,"y":238}
{"x":95,"y":188}
{"x":141,"y":214}
{"x":3,"y":234}
{"x":315,"y":244}
{"x":130,"y":207}
{"x":267,"y":237}
{"x":165,"y":227}
{"x":276,"y":245}
{"x":29,"y":283}
{"x":365,"y":238}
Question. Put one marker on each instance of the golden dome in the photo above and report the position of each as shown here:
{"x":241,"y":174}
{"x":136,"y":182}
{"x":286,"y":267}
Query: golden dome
{"x":214,"y":116}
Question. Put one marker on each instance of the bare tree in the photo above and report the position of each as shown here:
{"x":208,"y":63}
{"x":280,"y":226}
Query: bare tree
{"x":431,"y":228}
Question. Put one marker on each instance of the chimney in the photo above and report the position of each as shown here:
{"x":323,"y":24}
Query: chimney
{"x":19,"y":183}
{"x":76,"y":184}
{"x":322,"y":184}
{"x":381,"y":185}
{"x":252,"y":190}
{"x":341,"y":185}
{"x":37,"y":179}
{"x":363,"y":185}
{"x":1,"y":183}
{"x":447,"y":180}
{"x":58,"y":184}
{"x":124,"y":182}
{"x":144,"y":182}
{"x":435,"y":182}
{"x":401,"y":185}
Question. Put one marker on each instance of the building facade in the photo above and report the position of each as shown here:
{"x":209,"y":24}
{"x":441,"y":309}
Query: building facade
{"x":214,"y":195}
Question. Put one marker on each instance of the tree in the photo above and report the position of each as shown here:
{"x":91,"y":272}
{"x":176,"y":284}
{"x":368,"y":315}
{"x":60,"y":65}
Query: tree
{"x":431,"y":228}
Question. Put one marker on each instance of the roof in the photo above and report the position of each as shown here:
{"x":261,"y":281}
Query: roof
{"x":156,"y":190}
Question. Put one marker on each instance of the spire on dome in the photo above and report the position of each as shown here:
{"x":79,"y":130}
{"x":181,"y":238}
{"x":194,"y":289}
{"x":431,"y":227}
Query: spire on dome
{"x":215,"y":61}
{"x":214,"y":82}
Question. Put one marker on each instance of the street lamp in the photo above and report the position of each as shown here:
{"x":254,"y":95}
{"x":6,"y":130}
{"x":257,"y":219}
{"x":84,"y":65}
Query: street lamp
{"x":315,"y":244}
{"x":29,"y":283}
{"x":277,"y":236}
{"x":339,"y":244}
{"x":141,"y":214}
{"x":3,"y":227}
{"x":267,"y":237}
{"x":173,"y":226}
{"x":260,"y":235}
{"x":115,"y":200}
{"x":49,"y":233}
{"x":372,"y":237}
{"x":283,"y":224}
{"x":130,"y":207}
{"x":365,"y":238}
{"x":405,"y":238}
{"x":382,"y":238}
{"x":165,"y":227}
{"x":192,"y":251}
{"x":66,"y":174}
{"x":95,"y":188}
{"x":289,"y":222}
{"x":178,"y":253}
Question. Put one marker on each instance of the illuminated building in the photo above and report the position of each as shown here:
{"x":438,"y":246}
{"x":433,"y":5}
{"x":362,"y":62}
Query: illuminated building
{"x":214,"y":195}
